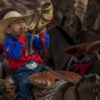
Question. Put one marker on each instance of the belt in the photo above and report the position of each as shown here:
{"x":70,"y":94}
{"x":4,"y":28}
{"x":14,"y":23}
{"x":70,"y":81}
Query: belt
{"x":31,"y":65}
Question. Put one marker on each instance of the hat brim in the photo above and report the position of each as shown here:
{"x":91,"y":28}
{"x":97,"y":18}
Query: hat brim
{"x":75,"y":48}
{"x":94,"y":46}
{"x":6,"y":22}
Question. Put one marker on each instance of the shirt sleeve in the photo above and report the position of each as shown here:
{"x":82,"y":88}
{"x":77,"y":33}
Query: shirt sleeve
{"x":41,"y":41}
{"x":14,"y":49}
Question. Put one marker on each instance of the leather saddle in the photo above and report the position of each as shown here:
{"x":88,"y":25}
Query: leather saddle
{"x":40,"y":81}
{"x":43,"y":81}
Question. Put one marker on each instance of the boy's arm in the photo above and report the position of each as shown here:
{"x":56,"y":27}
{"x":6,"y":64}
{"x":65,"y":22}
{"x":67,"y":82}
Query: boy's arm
{"x":41,"y":41}
{"x":14,"y":49}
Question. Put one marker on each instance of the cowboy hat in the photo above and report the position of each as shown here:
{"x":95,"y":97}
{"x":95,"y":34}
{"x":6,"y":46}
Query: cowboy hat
{"x":93,"y":47}
{"x":75,"y":48}
{"x":9,"y":18}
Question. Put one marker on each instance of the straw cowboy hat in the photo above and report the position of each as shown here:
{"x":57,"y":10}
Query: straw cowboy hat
{"x":9,"y":18}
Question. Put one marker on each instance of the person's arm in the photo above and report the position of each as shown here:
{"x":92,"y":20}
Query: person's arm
{"x":41,"y":41}
{"x":14,"y":49}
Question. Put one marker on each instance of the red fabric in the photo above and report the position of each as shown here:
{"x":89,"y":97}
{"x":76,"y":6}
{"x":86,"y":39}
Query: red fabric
{"x":42,"y":38}
{"x":83,"y":68}
{"x":51,"y":27}
{"x":1,"y":47}
{"x":0,"y":19}
{"x":45,"y":55}
{"x":52,"y":20}
{"x":22,"y":39}
{"x":75,"y":53}
{"x":13,"y":64}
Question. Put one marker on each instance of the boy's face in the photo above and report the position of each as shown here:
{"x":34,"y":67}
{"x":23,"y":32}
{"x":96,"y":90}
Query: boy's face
{"x":17,"y":28}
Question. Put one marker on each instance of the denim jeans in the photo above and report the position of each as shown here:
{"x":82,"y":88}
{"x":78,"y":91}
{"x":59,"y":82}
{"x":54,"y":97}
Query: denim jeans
{"x":20,"y":76}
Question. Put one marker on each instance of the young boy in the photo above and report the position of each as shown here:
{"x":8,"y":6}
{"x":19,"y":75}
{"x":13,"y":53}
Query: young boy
{"x":3,"y":62}
{"x":22,"y":66}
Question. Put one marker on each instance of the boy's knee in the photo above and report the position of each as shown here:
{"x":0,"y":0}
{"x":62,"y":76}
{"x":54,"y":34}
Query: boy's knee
{"x":24,"y":86}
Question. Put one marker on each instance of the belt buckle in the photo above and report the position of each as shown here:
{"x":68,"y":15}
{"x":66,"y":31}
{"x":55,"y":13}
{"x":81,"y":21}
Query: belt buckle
{"x":31,"y":65}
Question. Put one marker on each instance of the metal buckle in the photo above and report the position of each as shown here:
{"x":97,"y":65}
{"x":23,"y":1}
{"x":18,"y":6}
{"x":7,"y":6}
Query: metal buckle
{"x":31,"y":65}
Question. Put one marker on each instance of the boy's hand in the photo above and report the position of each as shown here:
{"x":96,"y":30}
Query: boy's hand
{"x":24,"y":30}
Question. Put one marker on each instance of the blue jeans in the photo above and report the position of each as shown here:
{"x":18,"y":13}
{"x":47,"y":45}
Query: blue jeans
{"x":20,"y":76}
